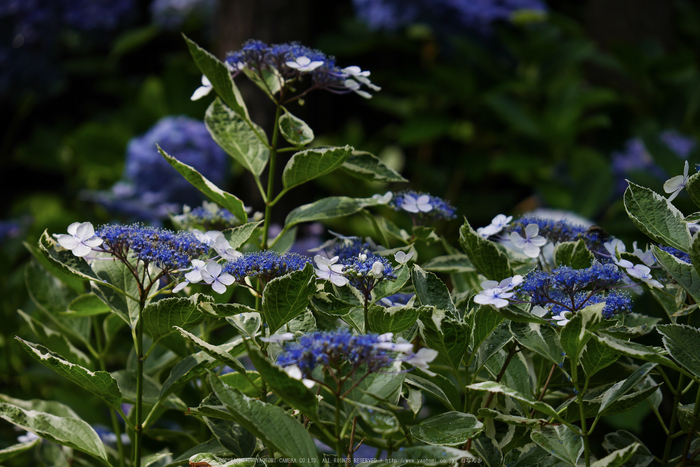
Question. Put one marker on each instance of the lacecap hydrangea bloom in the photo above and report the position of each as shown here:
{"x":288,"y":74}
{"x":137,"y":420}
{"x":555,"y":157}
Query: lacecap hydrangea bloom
{"x":168,"y":250}
{"x":293,"y":61}
{"x":345,"y":352}
{"x":423,"y":206}
{"x":150,"y":188}
{"x":265,"y":265}
{"x":208,"y":216}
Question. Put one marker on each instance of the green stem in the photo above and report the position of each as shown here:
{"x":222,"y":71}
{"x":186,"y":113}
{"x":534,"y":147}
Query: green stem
{"x":674,"y":419}
{"x":696,"y":412}
{"x":138,"y":438}
{"x":338,"y":442}
{"x":582,"y":410}
{"x":271,"y":176}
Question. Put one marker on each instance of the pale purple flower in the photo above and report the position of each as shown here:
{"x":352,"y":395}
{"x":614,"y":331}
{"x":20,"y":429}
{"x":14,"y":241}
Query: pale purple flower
{"x":676,"y":184}
{"x":329,"y":270}
{"x":203,"y":90}
{"x":497,"y":224}
{"x":421,"y":359}
{"x":213,"y":275}
{"x":81,"y":239}
{"x":643,"y":273}
{"x":531,"y":243}
{"x":497,"y":293}
{"x":402,"y":258}
{"x":417,"y":204}
{"x":304,"y":64}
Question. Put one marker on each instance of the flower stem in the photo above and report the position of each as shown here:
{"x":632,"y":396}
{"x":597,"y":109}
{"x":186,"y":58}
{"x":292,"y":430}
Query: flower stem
{"x":139,"y":385}
{"x":674,"y":419}
{"x":271,"y":176}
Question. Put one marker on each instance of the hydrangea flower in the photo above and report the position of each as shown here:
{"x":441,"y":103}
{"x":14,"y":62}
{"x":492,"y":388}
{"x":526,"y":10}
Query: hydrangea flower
{"x":214,"y":275}
{"x":208,"y":216}
{"x":685,"y":257}
{"x":560,"y":231}
{"x":345,"y":353}
{"x":476,"y":16}
{"x":568,"y":289}
{"x":164,"y":248}
{"x":423,"y":205}
{"x":497,"y":224}
{"x":293,"y":61}
{"x":151,"y":188}
{"x":265,"y":265}
{"x":497,"y":293}
{"x":172,"y":14}
{"x":675,"y":185}
{"x":328,"y":269}
{"x":531,"y":243}
{"x":81,"y":239}
{"x":203,"y":90}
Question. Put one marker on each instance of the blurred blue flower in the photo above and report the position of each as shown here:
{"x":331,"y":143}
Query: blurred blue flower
{"x":96,"y":15}
{"x":636,"y":158}
{"x":151,"y":188}
{"x":172,"y":14}
{"x":472,"y":15}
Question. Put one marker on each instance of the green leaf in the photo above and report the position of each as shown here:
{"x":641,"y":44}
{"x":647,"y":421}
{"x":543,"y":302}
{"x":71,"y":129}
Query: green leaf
{"x":618,"y":458}
{"x":221,"y":353}
{"x":369,"y":167}
{"x":41,"y":405}
{"x":237,"y":236}
{"x":526,"y":456}
{"x":380,"y":420}
{"x":655,"y":216}
{"x":99,"y":383}
{"x":562,"y":442}
{"x":511,"y":419}
{"x":444,"y":334}
{"x":492,"y":386}
{"x":382,"y":386}
{"x":431,"y":291}
{"x":486,"y":257}
{"x":635,"y":350}
{"x":185,"y":370}
{"x":620,"y":440}
{"x":483,"y":320}
{"x":57,"y":341}
{"x":573,"y":254}
{"x":389,"y":287}
{"x":448,"y":429}
{"x":87,"y":304}
{"x":225,"y":310}
{"x":326,"y":208}
{"x":220,"y":197}
{"x":66,"y":431}
{"x":220,"y":77}
{"x":574,"y":335}
{"x":621,"y":388}
{"x":118,"y":288}
{"x":151,"y":390}
{"x":269,"y":423}
{"x":488,"y":450}
{"x":540,"y":338}
{"x":14,"y":450}
{"x":312,"y":163}
{"x":210,"y":460}
{"x":597,"y":356}
{"x":210,"y":448}
{"x":449,"y":264}
{"x":160,"y":317}
{"x":247,"y":323}
{"x":295,"y":130}
{"x":693,"y":188}
{"x":685,"y":274}
{"x":232,"y":436}
{"x":268,"y":79}
{"x":438,"y":386}
{"x":73,"y":281}
{"x":239,"y":137}
{"x":286,"y":297}
{"x":392,"y":319}
{"x":290,"y":390}
{"x":330,"y":305}
{"x":682,"y":342}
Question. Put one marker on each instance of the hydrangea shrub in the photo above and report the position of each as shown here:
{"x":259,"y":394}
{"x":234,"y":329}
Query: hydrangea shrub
{"x":509,"y":348}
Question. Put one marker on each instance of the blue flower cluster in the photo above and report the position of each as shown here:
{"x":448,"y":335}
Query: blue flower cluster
{"x":151,"y":245}
{"x":257,"y":56}
{"x":423,"y":205}
{"x":473,"y":15}
{"x":336,"y":350}
{"x":636,"y":158}
{"x":265,"y":265}
{"x":685,"y":257}
{"x":559,"y":231}
{"x":151,"y":188}
{"x":568,"y":289}
{"x":94,"y":15}
{"x":363,"y":267}
{"x":172,"y":14}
